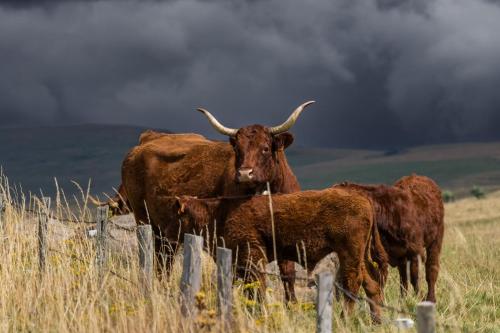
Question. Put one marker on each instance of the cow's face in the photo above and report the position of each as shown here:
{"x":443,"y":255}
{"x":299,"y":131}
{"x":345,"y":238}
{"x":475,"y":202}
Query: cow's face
{"x":255,"y":151}
{"x":256,"y":147}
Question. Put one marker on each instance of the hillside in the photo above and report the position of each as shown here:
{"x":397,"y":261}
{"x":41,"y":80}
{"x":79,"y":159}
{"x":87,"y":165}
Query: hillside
{"x":32,"y":157}
{"x":457,"y":167}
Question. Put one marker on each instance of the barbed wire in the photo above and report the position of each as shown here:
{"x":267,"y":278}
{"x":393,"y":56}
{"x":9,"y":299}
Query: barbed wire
{"x":337,"y":285}
{"x":73,"y":256}
{"x":82,"y":221}
{"x":347,"y":293}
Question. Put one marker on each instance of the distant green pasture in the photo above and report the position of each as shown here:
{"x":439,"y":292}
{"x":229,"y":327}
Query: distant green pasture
{"x":445,"y":172}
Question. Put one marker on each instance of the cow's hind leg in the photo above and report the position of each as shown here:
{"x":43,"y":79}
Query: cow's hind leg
{"x":287,"y":270}
{"x":414,"y":266}
{"x":432,"y":269}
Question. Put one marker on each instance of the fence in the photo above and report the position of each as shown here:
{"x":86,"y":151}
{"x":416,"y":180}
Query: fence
{"x":190,"y":283}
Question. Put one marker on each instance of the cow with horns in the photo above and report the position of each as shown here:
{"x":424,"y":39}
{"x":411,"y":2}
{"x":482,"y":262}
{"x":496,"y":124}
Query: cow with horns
{"x":164,"y":165}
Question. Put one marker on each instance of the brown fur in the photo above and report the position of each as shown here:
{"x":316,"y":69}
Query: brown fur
{"x":165,"y":165}
{"x":409,"y":217}
{"x":321,"y":222}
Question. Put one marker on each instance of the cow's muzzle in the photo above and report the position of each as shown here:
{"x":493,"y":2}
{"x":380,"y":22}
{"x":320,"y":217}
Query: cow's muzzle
{"x":245,"y":175}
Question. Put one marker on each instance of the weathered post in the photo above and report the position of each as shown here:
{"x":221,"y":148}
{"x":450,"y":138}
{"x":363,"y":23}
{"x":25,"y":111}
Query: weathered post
{"x":224,"y":285}
{"x":191,"y":272}
{"x":426,"y":317}
{"x":102,"y":246}
{"x":43,"y":221}
{"x":324,"y":302}
{"x":145,"y":242}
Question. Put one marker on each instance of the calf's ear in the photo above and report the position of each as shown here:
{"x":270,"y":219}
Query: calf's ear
{"x":282,"y":140}
{"x":180,"y":205}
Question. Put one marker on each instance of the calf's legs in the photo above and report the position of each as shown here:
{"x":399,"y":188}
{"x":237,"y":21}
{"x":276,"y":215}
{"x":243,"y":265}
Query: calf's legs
{"x":403,"y":277}
{"x":352,"y":274}
{"x":250,"y":268}
{"x":414,"y":274}
{"x":287,"y":270}
{"x":164,"y":253}
{"x":432,"y":269}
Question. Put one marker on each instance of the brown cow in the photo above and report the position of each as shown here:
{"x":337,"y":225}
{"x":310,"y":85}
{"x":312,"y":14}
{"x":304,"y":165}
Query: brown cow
{"x":321,"y":222}
{"x":409,"y":216}
{"x":165,"y":165}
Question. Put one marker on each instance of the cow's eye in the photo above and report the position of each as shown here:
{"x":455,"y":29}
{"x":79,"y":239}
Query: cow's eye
{"x":265,"y":150}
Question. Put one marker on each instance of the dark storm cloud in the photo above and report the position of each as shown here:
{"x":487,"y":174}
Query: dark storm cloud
{"x":384,"y":73}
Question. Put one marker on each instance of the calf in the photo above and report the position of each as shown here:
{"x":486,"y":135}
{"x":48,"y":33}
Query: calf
{"x":320,"y":222}
{"x":409,"y":217}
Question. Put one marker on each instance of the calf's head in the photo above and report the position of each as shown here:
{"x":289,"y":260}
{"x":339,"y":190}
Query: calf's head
{"x":256,"y":147}
{"x":194,"y":214}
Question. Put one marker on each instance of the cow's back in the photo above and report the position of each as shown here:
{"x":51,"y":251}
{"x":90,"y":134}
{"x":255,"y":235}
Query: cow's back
{"x":319,"y":220}
{"x":167,"y":165}
{"x":426,"y":197}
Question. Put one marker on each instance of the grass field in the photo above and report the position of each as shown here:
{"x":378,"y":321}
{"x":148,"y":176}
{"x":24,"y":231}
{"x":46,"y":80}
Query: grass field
{"x":68,"y":298}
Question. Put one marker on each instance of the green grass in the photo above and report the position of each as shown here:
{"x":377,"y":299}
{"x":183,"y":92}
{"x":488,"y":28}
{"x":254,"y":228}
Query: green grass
{"x":445,"y":172}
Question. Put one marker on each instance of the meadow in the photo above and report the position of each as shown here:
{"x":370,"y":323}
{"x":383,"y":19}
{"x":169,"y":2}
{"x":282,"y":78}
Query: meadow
{"x":68,"y":297}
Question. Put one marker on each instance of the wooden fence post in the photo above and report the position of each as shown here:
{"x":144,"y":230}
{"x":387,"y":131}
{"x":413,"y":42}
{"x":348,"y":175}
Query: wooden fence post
{"x":224,"y":284}
{"x":145,"y":242}
{"x":43,"y":221}
{"x":102,"y":241}
{"x":324,"y":302}
{"x":426,"y":317}
{"x":191,"y":272}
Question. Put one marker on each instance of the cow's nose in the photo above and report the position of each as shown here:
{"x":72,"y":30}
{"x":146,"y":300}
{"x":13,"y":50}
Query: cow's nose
{"x":245,"y":174}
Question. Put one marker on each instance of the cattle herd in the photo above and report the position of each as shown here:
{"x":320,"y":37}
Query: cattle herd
{"x":185,"y":183}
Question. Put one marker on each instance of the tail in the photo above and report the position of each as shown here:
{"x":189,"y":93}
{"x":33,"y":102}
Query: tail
{"x":380,"y":264}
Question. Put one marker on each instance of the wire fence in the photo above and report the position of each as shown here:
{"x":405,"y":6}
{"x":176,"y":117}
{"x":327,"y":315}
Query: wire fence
{"x":356,"y":298}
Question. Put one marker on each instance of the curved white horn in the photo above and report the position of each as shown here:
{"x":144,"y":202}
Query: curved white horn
{"x":291,"y":120}
{"x":218,"y":126}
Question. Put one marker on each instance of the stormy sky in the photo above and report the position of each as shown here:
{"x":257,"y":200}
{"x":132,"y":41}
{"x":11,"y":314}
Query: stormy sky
{"x":387,"y":73}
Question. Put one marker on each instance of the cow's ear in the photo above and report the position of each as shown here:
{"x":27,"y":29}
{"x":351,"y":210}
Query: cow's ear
{"x":282,"y":141}
{"x":232,"y":140}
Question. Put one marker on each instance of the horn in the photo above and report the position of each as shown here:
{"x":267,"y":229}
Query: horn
{"x":110,"y":202}
{"x":97,"y":202}
{"x":218,"y":126}
{"x":291,"y":120}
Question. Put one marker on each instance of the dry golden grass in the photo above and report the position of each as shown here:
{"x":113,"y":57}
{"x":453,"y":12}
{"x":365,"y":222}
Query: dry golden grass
{"x":68,"y":298}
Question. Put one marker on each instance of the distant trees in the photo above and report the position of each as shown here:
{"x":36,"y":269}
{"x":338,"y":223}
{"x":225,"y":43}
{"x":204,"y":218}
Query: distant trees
{"x":448,"y":196}
{"x":477,"y":192}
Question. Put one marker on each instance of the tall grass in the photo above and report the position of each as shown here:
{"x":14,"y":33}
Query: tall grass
{"x":68,"y":298}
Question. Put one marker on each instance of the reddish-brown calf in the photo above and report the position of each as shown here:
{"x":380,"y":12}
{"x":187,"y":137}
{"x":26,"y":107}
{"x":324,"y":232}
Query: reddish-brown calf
{"x":321,"y":222}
